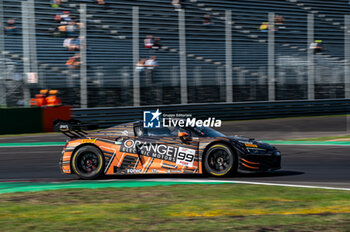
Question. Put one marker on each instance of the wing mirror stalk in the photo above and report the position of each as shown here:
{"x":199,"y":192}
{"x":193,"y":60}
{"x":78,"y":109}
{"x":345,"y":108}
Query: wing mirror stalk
{"x":185,"y":137}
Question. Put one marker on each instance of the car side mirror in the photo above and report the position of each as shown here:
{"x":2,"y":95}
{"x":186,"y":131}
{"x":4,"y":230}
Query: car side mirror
{"x":185,"y":137}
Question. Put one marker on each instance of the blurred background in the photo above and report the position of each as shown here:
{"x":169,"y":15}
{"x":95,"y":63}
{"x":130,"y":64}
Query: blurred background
{"x":109,"y":53}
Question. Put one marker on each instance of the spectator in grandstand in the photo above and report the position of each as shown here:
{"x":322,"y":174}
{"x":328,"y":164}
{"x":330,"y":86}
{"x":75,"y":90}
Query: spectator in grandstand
{"x":62,"y":30}
{"x":177,"y":4}
{"x":317,"y":47}
{"x":57,"y":18}
{"x":77,"y":42}
{"x":264,"y":27}
{"x":72,"y":44}
{"x":149,"y":41}
{"x":100,"y":2}
{"x":157,"y":44}
{"x":207,"y":20}
{"x":67,"y":43}
{"x":279,"y":22}
{"x":11,"y":27}
{"x":65,"y":17}
{"x":74,"y":61}
{"x":150,"y":64}
{"x":140,"y":66}
{"x":71,"y":29}
{"x":103,"y":3}
{"x":55,"y":3}
{"x":55,"y":30}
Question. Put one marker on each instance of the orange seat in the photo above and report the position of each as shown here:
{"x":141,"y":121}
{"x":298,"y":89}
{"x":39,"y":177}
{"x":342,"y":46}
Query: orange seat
{"x":53,"y":100}
{"x":38,"y":101}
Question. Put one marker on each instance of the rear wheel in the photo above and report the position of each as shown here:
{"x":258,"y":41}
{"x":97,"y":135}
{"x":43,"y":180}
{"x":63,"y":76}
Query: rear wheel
{"x":88,"y":162}
{"x":220,"y":160}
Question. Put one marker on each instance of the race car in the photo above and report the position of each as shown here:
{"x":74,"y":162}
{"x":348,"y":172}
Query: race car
{"x":133,"y":149}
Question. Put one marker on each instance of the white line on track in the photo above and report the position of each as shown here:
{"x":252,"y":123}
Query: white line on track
{"x":291,"y":185}
{"x":238,"y":182}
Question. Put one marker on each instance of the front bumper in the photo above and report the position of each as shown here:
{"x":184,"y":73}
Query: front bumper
{"x":260,"y":163}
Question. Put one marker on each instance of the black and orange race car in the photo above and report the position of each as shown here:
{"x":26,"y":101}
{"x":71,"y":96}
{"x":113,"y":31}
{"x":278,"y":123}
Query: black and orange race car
{"x":132,"y":149}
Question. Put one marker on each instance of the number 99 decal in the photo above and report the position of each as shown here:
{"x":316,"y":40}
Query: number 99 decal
{"x":185,"y":157}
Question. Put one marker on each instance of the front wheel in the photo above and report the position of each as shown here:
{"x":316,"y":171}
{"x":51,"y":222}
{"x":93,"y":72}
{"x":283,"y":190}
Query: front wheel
{"x":220,"y":160}
{"x":87,"y":162}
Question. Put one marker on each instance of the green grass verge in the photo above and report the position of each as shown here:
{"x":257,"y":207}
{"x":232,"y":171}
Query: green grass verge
{"x":225,"y":207}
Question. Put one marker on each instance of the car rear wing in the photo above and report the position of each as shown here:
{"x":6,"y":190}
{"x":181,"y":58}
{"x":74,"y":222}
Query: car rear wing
{"x":72,"y":128}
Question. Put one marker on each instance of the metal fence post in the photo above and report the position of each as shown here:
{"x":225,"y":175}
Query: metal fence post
{"x":183,"y":61}
{"x":347,"y":66}
{"x":83,"y":59}
{"x":271,"y":58}
{"x":310,"y":57}
{"x":26,"y":51}
{"x":347,"y":56}
{"x":3,"y":92}
{"x":229,"y":94}
{"x":32,"y":39}
{"x":136,"y":53}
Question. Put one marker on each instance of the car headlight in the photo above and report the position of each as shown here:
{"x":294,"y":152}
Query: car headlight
{"x":257,"y":151}
{"x":277,"y":153}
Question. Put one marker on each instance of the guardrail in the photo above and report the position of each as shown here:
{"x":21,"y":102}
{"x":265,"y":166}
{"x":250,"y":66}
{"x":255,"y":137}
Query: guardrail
{"x":225,"y":111}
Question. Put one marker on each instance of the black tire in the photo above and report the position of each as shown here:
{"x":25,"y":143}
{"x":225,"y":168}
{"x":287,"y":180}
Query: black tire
{"x":220,"y":160}
{"x":88,"y":162}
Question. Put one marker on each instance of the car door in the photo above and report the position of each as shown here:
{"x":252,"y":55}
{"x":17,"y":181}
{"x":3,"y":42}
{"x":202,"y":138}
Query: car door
{"x":168,"y":153}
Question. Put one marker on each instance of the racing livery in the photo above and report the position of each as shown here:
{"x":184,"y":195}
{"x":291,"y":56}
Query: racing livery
{"x":133,"y":149}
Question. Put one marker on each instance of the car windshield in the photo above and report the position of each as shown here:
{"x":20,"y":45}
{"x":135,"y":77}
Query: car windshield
{"x":164,"y":131}
{"x":207,"y":132}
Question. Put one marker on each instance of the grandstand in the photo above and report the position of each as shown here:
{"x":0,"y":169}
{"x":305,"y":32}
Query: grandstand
{"x":110,"y":50}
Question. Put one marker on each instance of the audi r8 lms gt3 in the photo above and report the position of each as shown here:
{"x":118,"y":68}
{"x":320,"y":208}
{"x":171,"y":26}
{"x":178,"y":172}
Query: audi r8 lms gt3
{"x":132,"y":149}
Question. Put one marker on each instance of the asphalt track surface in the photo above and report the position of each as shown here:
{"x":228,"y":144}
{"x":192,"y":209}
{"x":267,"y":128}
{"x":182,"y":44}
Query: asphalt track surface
{"x":305,"y":165}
